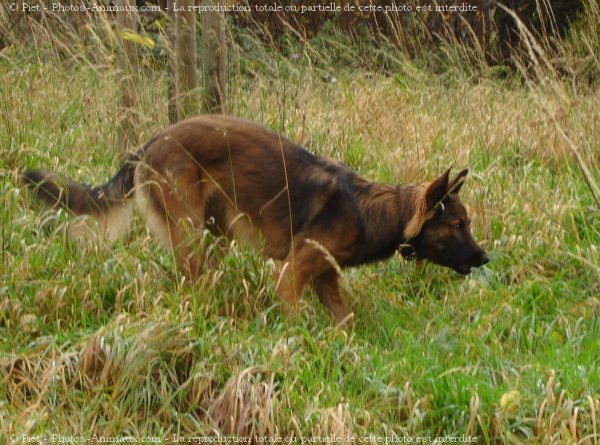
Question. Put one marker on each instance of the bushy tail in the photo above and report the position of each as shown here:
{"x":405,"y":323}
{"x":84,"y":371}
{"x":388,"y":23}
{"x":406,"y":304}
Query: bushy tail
{"x":106,"y":203}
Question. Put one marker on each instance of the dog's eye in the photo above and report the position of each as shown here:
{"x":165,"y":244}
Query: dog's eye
{"x":458,"y":225}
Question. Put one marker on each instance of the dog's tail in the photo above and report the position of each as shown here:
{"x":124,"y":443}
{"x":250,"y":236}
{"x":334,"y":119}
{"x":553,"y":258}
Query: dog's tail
{"x":107,"y":204}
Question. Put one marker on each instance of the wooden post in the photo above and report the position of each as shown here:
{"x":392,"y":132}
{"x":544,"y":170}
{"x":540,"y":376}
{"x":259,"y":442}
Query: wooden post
{"x":128,"y":65}
{"x":167,"y":6}
{"x":214,"y":55}
{"x":186,"y":59}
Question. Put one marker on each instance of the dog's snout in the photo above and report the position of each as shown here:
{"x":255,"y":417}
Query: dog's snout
{"x":484,"y":259}
{"x":479,"y":259}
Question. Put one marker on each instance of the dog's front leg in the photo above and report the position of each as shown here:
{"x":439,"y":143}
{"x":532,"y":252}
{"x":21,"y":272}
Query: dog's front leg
{"x":302,"y":263}
{"x":327,"y":287}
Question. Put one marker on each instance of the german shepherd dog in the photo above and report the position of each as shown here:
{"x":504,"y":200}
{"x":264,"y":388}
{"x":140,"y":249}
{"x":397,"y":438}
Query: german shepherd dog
{"x":246,"y":182}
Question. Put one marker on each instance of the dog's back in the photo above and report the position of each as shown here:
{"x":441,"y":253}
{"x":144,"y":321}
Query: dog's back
{"x":250,"y":182}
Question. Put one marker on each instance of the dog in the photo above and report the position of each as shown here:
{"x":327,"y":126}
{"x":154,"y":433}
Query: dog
{"x":243,"y":181}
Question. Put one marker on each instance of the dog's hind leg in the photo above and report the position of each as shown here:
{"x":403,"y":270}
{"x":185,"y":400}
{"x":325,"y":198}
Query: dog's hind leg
{"x":174,"y":209}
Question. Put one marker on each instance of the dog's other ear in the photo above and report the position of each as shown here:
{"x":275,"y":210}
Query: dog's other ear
{"x":456,"y":184}
{"x":437,"y":190}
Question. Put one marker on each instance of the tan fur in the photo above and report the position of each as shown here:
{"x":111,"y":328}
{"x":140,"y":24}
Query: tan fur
{"x":100,"y":229}
{"x":419,"y":217}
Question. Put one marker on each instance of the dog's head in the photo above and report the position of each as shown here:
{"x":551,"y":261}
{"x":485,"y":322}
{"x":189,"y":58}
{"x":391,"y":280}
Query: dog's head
{"x":441,"y":231}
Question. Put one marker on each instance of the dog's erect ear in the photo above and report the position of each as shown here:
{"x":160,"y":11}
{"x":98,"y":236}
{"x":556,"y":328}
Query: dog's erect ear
{"x":456,"y":184}
{"x":425,"y":203}
{"x":437,"y":190}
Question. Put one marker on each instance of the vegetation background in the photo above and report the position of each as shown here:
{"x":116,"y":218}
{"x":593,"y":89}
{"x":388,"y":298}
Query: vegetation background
{"x":113,"y":342}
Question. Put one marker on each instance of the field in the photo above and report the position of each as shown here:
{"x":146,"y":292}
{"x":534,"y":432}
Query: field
{"x":110,"y":340}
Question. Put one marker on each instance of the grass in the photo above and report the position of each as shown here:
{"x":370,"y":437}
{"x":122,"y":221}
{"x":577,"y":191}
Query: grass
{"x":112,"y":342}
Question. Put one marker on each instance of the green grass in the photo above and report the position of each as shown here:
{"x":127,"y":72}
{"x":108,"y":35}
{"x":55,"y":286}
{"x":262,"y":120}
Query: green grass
{"x":111,"y":341}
